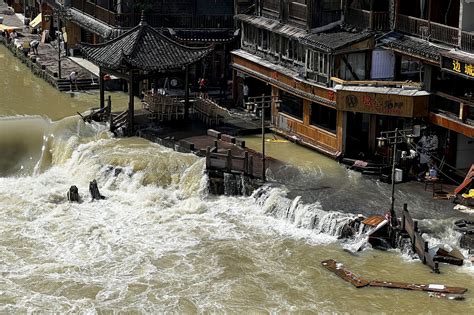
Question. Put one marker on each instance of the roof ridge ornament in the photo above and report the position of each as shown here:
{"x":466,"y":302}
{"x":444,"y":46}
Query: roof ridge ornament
{"x":143,"y":19}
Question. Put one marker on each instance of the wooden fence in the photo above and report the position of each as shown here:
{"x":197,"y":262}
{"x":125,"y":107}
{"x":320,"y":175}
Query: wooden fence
{"x":420,"y":246}
{"x":208,"y":111}
{"x":229,"y":163}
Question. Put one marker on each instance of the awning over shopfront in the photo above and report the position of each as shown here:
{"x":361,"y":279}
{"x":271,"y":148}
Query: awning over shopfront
{"x":390,"y":101}
{"x":36,"y":21}
{"x":8,"y":28}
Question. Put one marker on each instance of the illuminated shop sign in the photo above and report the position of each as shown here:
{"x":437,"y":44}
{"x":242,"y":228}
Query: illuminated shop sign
{"x":457,"y":67}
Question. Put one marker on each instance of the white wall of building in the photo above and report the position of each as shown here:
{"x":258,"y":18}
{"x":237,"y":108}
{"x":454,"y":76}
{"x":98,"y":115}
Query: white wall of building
{"x":464,"y":152}
{"x":467,"y":22}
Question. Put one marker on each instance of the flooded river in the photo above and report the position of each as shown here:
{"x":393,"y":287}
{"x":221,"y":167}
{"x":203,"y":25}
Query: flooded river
{"x":159,"y":242}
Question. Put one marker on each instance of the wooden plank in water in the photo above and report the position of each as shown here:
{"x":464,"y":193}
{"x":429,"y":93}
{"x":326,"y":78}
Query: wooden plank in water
{"x":439,"y":288}
{"x":374,"y":220}
{"x":345,"y":274}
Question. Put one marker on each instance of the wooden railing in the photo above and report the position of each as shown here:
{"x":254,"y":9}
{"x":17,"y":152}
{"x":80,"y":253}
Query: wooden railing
{"x":457,"y":108}
{"x":229,"y":163}
{"x":428,"y":30}
{"x":155,"y":20}
{"x":177,"y":21}
{"x":380,"y":21}
{"x":209,"y":111}
{"x":96,"y":11}
{"x":444,"y":33}
{"x":419,"y":245}
{"x":358,"y":18}
{"x":412,"y":25}
{"x":467,"y":41}
{"x":297,"y":11}
{"x":271,"y":5}
{"x":163,"y":107}
{"x":368,"y":20}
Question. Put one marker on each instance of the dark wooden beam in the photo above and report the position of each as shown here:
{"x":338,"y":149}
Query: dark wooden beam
{"x":186,"y":93}
{"x":131,"y":105}
{"x":101,"y":88}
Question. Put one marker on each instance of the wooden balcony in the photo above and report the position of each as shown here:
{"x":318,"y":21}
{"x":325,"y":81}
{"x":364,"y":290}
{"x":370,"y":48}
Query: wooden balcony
{"x":445,"y":34}
{"x":96,"y":11}
{"x":453,"y":113}
{"x":155,"y":20}
{"x":467,"y":41}
{"x":363,"y":19}
{"x":428,"y":30}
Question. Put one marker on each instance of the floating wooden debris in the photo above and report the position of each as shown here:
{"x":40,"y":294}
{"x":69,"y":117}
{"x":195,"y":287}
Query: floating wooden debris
{"x":374,"y":220}
{"x":439,"y":288}
{"x":345,"y":274}
{"x":456,"y":297}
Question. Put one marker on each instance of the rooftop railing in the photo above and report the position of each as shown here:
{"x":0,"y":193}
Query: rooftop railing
{"x":364,"y":19}
{"x":428,"y":29}
{"x":155,"y":20}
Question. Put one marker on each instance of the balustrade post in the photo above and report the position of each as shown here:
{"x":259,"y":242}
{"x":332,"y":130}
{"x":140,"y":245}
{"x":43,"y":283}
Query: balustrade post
{"x":208,"y":157}
{"x":246,"y":162}
{"x":251,"y":165}
{"x":229,"y":161}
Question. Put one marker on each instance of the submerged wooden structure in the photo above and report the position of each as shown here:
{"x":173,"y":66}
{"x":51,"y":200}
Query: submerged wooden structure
{"x":141,"y":53}
{"x":360,"y":282}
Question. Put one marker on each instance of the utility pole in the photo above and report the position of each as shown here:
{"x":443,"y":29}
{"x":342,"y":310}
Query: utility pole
{"x":393,"y":138}
{"x":262,"y":113}
{"x":59,"y":53}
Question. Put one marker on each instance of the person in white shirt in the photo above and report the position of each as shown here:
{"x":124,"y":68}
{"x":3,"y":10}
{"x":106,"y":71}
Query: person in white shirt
{"x":73,"y":79}
{"x":34,"y":44}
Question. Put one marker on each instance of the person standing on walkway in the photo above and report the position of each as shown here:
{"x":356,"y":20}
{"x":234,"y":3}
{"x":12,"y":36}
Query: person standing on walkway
{"x":245,"y":91}
{"x":73,"y":79}
{"x":203,"y":87}
{"x":34,"y":44}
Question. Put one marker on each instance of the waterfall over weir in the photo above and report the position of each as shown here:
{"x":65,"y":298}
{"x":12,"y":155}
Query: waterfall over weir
{"x":307,"y":216}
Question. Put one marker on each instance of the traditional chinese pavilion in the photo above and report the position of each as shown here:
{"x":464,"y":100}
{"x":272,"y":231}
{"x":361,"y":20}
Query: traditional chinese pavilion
{"x":138,"y":54}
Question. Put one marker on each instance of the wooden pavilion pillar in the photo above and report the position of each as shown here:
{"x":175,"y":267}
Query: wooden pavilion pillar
{"x":101,"y":88}
{"x":186,"y":93}
{"x":131,"y":105}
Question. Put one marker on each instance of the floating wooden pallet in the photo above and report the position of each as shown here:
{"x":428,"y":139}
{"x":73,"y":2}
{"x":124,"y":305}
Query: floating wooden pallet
{"x":438,"y":288}
{"x":345,"y":274}
{"x":359,"y":282}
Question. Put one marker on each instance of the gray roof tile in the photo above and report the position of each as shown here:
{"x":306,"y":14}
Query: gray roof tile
{"x":143,"y":48}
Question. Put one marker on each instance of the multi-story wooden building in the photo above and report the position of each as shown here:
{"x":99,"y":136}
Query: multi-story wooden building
{"x":191,"y":22}
{"x":291,"y":49}
{"x":344,"y":73}
{"x":430,"y":43}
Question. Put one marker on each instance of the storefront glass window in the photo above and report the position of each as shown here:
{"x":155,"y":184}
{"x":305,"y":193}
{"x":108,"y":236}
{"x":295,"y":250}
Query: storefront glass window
{"x":323,"y":117}
{"x":291,"y":105}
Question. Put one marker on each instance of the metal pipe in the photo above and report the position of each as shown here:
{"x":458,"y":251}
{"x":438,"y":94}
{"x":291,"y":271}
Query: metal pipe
{"x":393,"y":217}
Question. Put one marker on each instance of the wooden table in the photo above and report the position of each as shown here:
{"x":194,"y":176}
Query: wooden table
{"x":435,"y":182}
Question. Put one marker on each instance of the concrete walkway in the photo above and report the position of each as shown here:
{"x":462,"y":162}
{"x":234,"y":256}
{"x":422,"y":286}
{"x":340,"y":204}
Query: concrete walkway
{"x":47,"y":57}
{"x":87,"y":65}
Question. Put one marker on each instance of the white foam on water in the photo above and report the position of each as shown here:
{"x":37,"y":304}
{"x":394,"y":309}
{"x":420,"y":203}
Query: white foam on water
{"x":158,"y":242}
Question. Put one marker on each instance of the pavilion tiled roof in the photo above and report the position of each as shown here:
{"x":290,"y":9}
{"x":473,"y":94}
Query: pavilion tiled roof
{"x":143,"y":48}
{"x":204,"y":35}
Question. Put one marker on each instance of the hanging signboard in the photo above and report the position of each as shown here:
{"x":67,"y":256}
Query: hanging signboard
{"x":457,"y":67}
{"x":382,"y":103}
